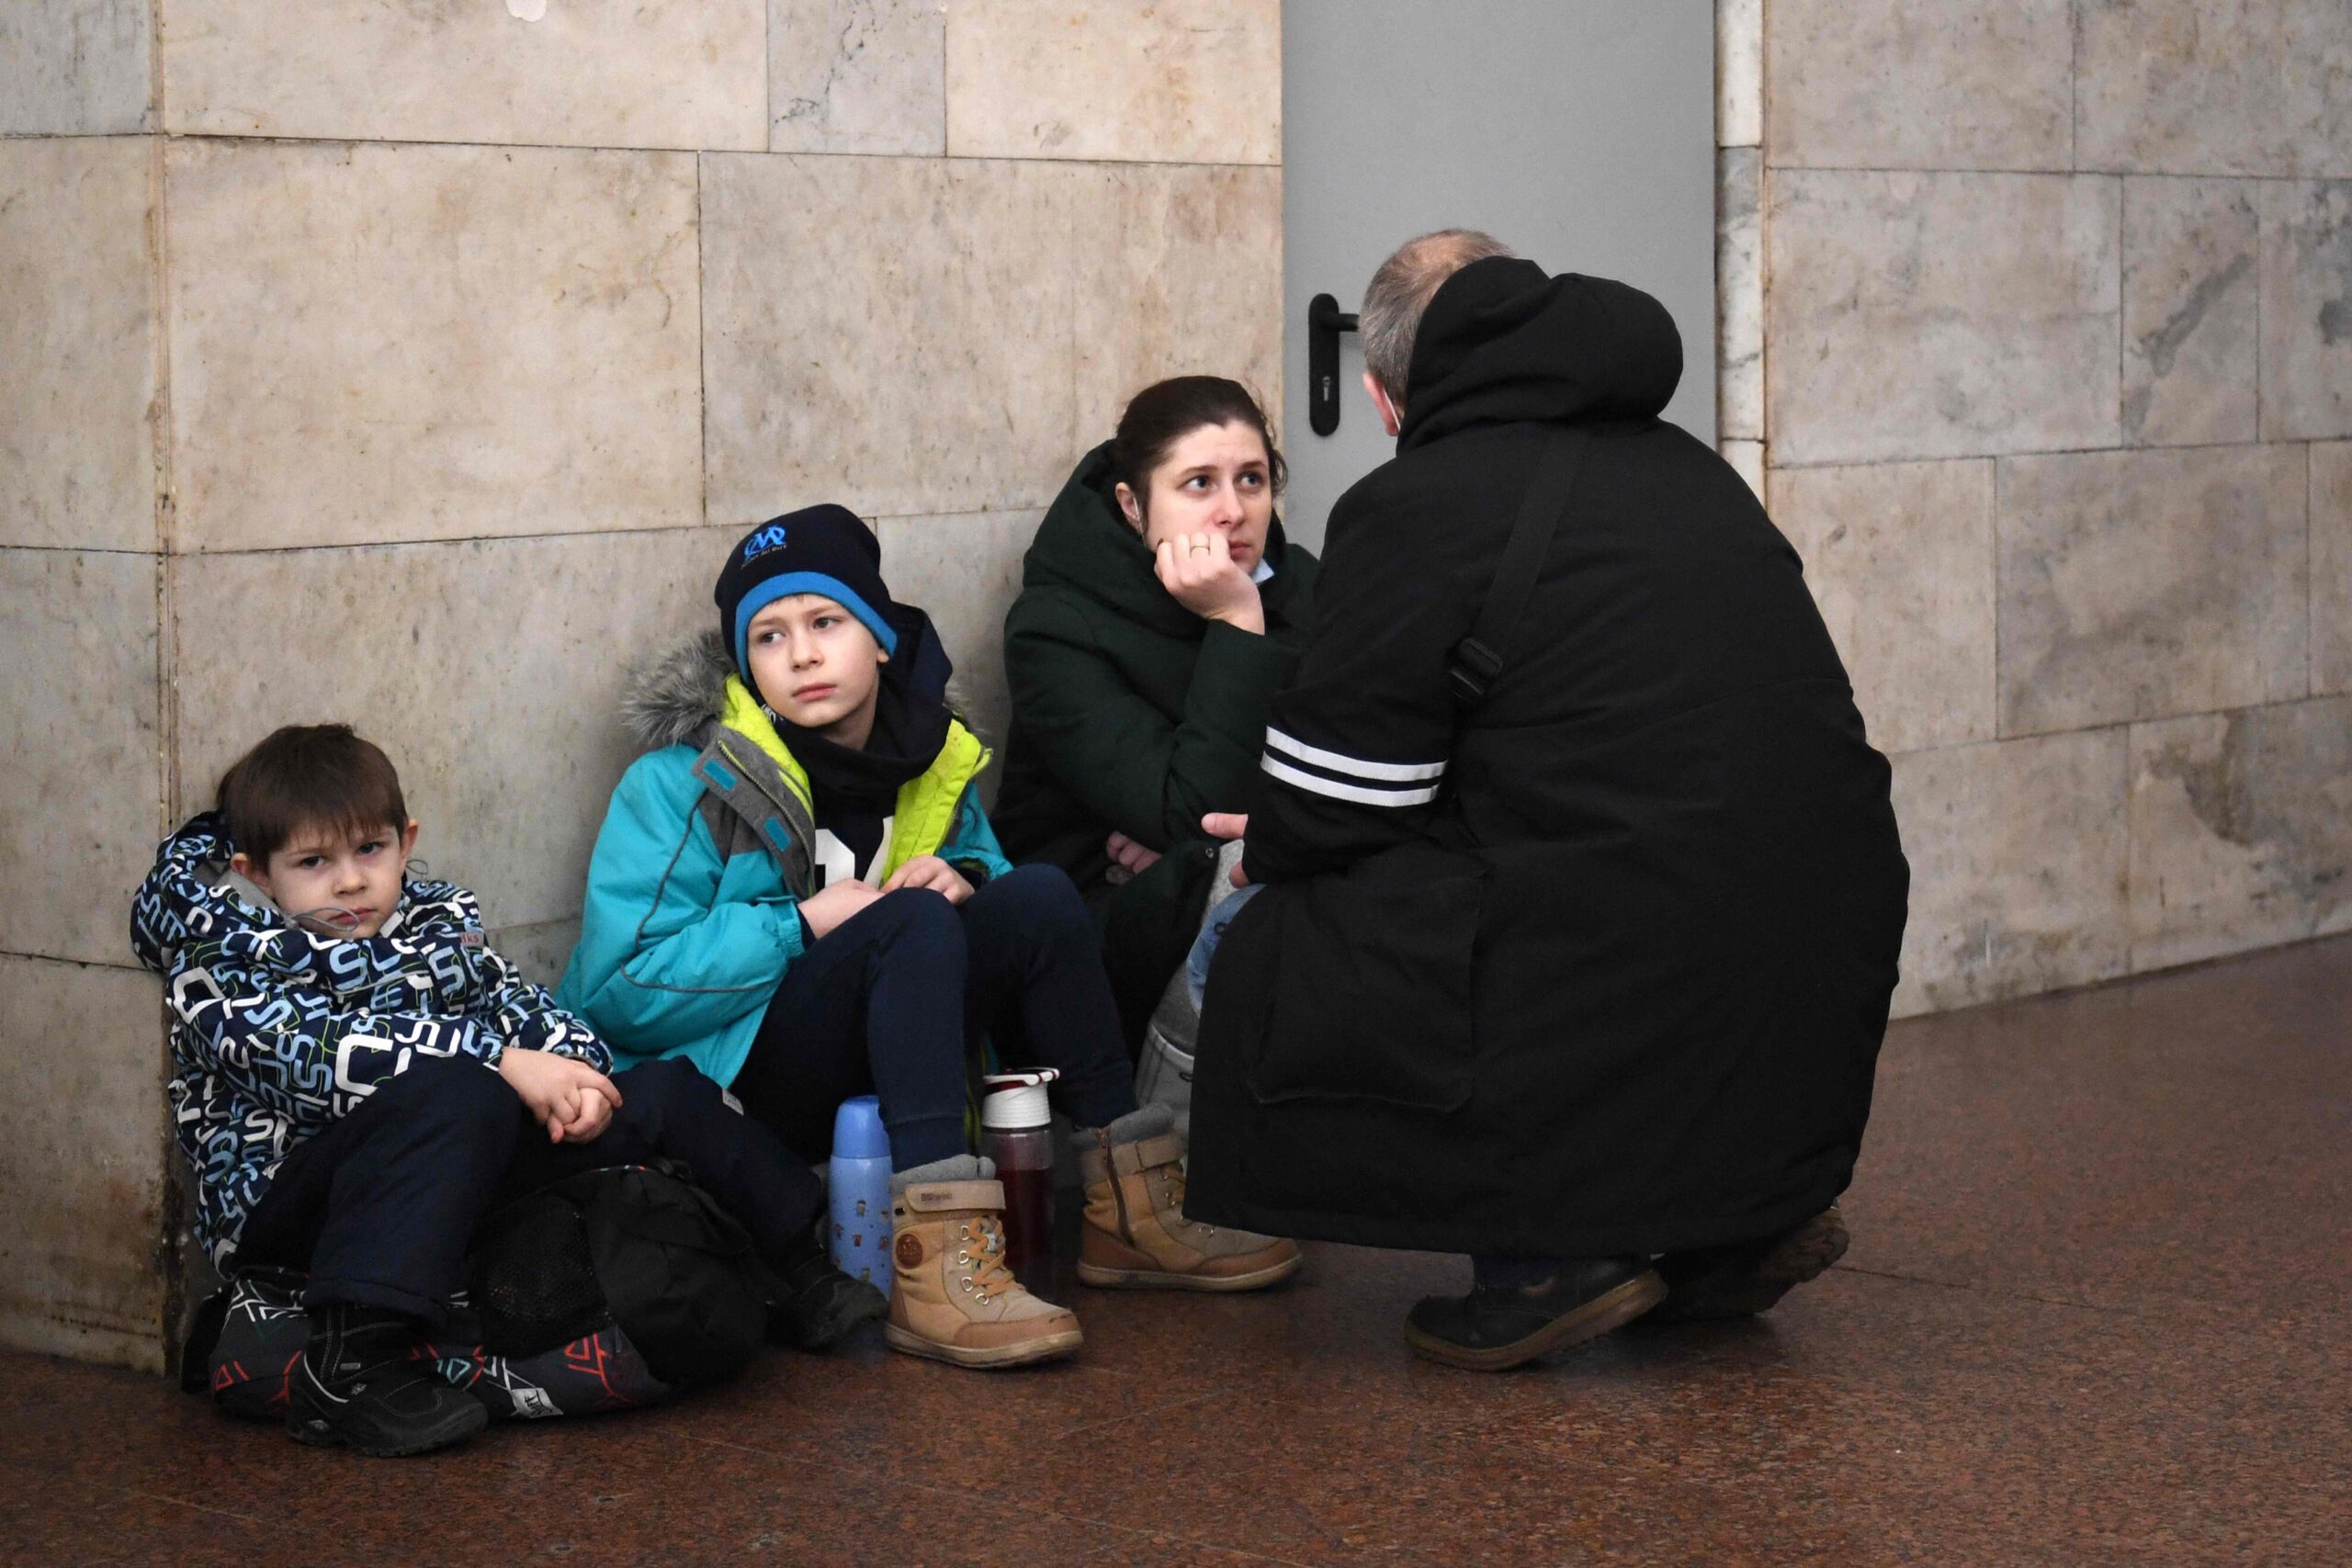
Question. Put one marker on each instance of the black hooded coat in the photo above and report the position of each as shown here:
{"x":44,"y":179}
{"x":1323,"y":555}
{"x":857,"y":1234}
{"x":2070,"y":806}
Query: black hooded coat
{"x":1601,"y":964}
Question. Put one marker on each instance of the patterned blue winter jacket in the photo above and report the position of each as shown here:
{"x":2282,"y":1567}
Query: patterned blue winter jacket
{"x":275,"y":1032}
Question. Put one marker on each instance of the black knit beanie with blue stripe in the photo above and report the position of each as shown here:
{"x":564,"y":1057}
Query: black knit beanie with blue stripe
{"x":821,"y":549}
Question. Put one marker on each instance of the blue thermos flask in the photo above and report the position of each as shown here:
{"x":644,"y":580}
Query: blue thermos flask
{"x":857,"y":1188}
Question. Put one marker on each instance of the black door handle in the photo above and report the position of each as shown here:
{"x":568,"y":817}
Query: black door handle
{"x":1325,"y":322}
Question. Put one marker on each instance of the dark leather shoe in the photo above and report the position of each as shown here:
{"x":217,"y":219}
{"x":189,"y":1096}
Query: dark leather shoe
{"x":1748,"y":1277}
{"x":1497,"y":1326}
{"x":816,"y":1306}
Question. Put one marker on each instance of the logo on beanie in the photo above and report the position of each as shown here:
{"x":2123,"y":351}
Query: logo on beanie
{"x":768,"y":539}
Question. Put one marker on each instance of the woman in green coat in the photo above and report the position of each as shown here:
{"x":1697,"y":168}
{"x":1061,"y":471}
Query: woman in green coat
{"x":1161,"y":609}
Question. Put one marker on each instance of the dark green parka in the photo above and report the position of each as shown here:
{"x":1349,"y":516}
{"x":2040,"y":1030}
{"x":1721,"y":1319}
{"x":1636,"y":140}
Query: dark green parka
{"x":1131,"y":713}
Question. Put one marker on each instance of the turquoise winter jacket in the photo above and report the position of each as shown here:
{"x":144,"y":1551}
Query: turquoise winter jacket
{"x":691,"y":913}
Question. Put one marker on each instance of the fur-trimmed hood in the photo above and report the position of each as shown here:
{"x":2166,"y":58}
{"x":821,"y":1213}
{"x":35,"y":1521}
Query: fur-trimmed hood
{"x":674,"y":696}
{"x":677,"y":693}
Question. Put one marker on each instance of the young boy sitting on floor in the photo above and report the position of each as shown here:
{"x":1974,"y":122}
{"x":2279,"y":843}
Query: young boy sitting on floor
{"x":797,"y":890}
{"x":357,"y":1077}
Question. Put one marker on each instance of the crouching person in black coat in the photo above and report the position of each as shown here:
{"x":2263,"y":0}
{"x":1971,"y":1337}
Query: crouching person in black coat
{"x":1582,"y":893}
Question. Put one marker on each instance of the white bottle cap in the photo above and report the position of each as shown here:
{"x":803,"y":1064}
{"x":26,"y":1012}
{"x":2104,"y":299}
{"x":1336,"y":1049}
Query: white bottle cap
{"x":1016,"y":1100}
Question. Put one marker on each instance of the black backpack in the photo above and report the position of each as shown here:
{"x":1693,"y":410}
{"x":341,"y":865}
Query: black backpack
{"x":612,"y":1289}
{"x":638,"y":1246}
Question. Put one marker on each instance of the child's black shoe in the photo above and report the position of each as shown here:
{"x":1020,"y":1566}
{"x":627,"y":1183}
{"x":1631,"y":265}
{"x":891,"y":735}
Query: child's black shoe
{"x":816,"y":1306}
{"x":355,"y":1386}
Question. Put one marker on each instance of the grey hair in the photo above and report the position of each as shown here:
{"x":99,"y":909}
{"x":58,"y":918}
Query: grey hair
{"x":1401,"y":290}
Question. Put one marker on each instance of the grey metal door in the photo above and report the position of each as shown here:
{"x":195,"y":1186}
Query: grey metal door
{"x":1579,"y":132}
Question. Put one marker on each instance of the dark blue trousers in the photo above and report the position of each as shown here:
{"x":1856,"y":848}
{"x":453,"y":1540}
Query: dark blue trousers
{"x":380,"y":1208}
{"x":889,"y":1001}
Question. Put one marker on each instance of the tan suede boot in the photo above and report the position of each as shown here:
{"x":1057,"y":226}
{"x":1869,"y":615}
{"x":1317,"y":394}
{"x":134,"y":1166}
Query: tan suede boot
{"x":953,"y":1297}
{"x":1135,"y":1235}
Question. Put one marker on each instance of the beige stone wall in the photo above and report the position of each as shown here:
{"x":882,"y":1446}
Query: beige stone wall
{"x":412,"y":362}
{"x":83,"y":695}
{"x":2037,"y":323}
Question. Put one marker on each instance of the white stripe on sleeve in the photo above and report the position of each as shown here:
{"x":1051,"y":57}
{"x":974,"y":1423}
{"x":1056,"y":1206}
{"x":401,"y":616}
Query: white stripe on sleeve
{"x":1318,"y":784}
{"x":1398,"y":773}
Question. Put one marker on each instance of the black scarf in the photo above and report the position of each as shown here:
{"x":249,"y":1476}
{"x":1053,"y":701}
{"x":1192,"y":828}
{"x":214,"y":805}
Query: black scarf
{"x":853,"y":790}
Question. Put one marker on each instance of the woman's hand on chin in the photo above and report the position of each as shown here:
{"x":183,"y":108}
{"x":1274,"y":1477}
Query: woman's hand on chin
{"x":1200,"y":573}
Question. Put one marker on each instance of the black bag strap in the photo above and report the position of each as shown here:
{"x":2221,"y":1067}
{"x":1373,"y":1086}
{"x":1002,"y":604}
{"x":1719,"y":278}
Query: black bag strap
{"x":1478,"y":658}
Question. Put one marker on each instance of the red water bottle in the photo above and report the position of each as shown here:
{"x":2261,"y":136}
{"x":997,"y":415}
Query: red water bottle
{"x":1016,"y":1133}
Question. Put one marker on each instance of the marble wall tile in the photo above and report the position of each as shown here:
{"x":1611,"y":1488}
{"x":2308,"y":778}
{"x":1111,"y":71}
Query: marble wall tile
{"x":1180,"y":272}
{"x":83,"y":1146}
{"x":2190,"y":287}
{"x":1748,"y":458}
{"x":1893,"y":84}
{"x":541,"y":951}
{"x":676,"y":73}
{"x":1739,"y":73}
{"x":2145,"y":584}
{"x":2330,"y":522}
{"x":2019,"y":854}
{"x":1899,"y":556}
{"x":1739,"y":294}
{"x":75,"y":67}
{"x":1941,"y":315}
{"x":82,"y":794}
{"x":374,"y":343}
{"x":2314,"y":87}
{"x":490,"y":670}
{"x":2213,"y":87}
{"x":1139,"y":81}
{"x":857,"y":76}
{"x":77,"y":343}
{"x":2306,"y":310}
{"x":965,"y":571}
{"x":2241,"y":830}
{"x":910,"y":353}
{"x":2178,"y":85}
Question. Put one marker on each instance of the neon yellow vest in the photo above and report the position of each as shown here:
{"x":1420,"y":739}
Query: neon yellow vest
{"x":926,"y":805}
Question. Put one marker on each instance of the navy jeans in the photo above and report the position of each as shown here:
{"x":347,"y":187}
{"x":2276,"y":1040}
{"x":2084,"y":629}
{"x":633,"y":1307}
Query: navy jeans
{"x":380,"y":1209}
{"x":889,"y":1001}
{"x":1512,"y":1273}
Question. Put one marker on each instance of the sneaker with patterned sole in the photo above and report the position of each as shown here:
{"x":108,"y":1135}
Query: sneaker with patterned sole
{"x":355,"y":1387}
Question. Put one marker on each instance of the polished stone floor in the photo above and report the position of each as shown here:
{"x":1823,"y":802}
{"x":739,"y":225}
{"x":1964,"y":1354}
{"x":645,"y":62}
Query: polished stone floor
{"x":2099,"y":1310}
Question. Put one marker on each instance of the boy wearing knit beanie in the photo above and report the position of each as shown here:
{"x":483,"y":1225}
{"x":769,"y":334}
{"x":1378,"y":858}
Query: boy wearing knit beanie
{"x":797,"y":889}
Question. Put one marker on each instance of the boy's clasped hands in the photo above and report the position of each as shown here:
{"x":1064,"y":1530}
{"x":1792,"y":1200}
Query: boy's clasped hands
{"x":837,"y":901}
{"x":571,"y":1100}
